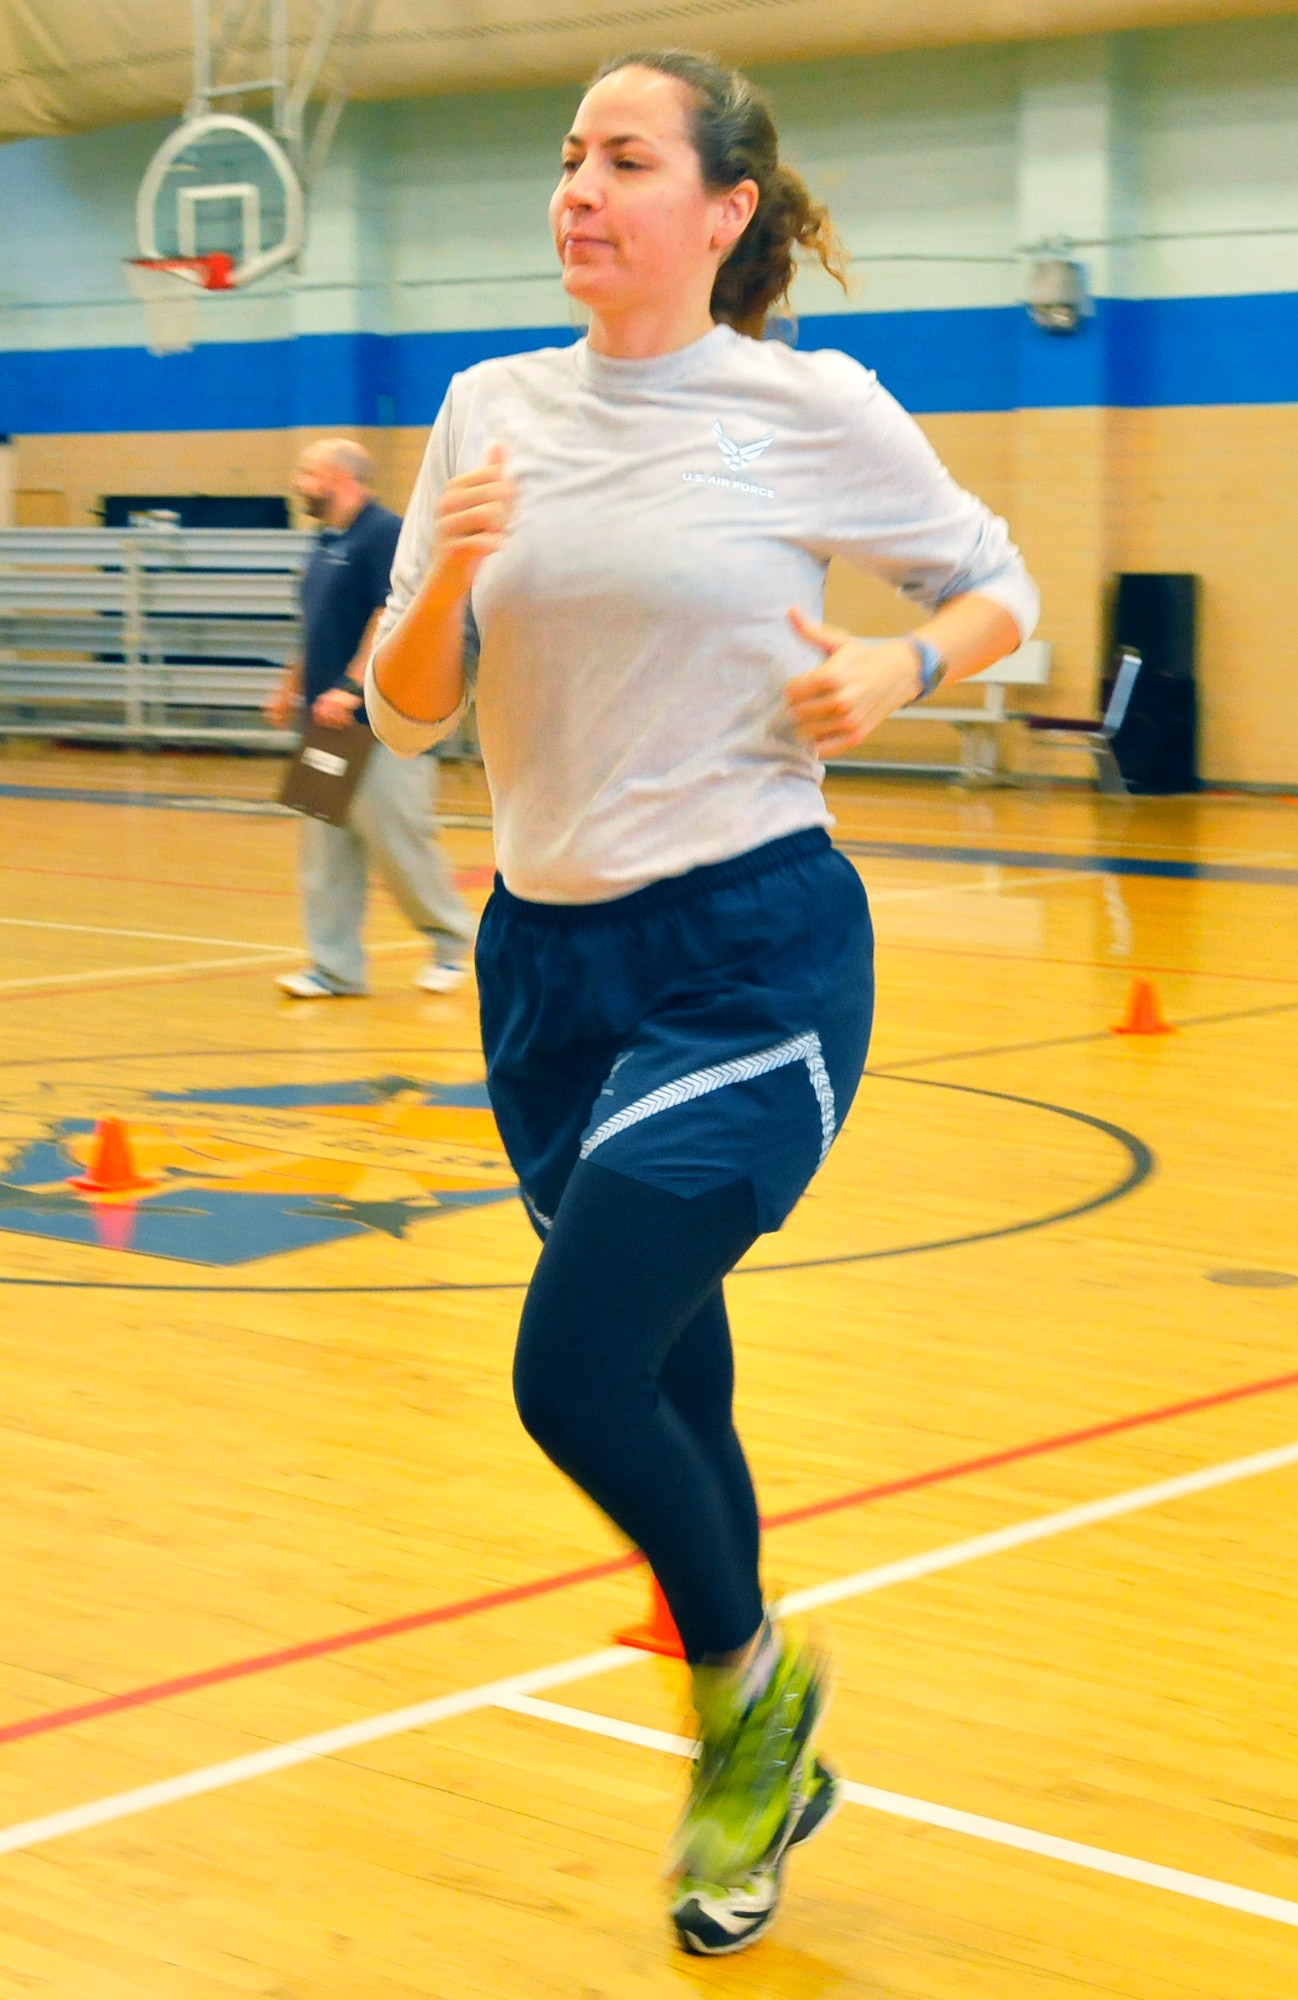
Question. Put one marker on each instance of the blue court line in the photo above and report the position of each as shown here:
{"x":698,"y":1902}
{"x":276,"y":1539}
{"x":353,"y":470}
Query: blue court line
{"x":78,"y":795}
{"x":879,"y":850}
{"x":1074,"y":864}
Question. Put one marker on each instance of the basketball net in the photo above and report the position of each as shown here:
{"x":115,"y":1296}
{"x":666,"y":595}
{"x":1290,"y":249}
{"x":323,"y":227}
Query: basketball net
{"x":168,"y":288}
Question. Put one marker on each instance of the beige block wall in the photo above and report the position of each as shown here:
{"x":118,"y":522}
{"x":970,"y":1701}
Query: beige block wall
{"x":1087,"y":492}
{"x":978,"y":449}
{"x":1047,"y":472}
{"x":1215,"y":491}
{"x":66,"y":476}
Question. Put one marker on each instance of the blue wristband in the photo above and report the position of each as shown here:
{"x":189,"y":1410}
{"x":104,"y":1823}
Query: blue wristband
{"x":932,"y":667}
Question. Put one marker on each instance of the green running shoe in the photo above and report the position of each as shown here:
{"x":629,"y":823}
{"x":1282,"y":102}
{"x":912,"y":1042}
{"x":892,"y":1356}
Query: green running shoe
{"x":821,"y":1801}
{"x":712,"y":1921}
{"x":751,"y":1777}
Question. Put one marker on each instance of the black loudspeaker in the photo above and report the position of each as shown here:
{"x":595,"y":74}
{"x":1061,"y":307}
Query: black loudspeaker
{"x":1157,"y":745}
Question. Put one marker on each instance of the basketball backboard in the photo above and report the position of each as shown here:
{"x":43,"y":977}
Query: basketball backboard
{"x":222,"y":201}
{"x":221,"y":184}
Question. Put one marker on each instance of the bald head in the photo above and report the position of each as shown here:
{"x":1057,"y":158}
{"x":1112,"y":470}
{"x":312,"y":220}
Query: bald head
{"x":345,"y":455}
{"x":333,"y":480}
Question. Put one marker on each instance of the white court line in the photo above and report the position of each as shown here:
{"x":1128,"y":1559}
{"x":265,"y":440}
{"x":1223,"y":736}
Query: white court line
{"x":156,"y":937}
{"x":113,"y":973}
{"x":1039,"y":1530}
{"x":1101,"y":1860}
{"x":260,"y":955}
{"x":282,"y":1756}
{"x":304,"y":1750}
{"x":598,"y":1725}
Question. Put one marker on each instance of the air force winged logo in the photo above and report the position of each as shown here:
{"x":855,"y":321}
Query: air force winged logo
{"x":739,"y":457}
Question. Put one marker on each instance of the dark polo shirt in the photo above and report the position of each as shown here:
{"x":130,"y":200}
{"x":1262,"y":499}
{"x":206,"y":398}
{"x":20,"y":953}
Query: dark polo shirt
{"x":346,"y":581}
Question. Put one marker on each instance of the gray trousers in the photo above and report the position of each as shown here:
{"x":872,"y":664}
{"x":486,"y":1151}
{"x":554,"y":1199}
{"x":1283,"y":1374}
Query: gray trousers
{"x":390,"y":822}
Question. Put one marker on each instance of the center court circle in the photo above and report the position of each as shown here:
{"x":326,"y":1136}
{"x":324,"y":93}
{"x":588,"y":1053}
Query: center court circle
{"x":294,"y":1173}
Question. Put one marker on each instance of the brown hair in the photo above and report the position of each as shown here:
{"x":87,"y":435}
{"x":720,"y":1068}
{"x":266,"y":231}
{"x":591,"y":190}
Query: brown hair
{"x":734,"y":135}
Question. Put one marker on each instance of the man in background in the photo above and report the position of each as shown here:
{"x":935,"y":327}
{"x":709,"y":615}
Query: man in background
{"x":390,"y":818}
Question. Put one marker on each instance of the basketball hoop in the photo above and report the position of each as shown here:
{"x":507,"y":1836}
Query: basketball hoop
{"x":252,"y":171}
{"x":168,"y":289}
{"x":222,"y":202}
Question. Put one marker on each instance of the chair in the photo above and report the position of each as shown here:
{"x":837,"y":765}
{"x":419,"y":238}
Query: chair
{"x":1065,"y":733}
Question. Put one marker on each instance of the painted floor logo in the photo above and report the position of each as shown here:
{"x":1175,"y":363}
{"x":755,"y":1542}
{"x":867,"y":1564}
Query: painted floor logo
{"x":235,"y":1175}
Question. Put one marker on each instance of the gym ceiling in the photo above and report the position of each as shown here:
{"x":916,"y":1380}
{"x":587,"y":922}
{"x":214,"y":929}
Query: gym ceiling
{"x":72,"y":65}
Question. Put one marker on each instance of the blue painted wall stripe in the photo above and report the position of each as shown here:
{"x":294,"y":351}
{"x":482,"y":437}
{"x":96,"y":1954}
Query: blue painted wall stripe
{"x":1134,"y":353}
{"x":1167,"y":352}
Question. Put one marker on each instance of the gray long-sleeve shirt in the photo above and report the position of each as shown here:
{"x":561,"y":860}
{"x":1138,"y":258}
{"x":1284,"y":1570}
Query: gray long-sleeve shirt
{"x":634,"y":630}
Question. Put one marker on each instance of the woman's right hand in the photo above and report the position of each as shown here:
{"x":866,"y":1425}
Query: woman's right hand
{"x":474,"y":515}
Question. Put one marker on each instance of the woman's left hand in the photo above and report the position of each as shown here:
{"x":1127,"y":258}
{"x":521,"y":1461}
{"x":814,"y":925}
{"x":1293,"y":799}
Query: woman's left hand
{"x":837,"y":704}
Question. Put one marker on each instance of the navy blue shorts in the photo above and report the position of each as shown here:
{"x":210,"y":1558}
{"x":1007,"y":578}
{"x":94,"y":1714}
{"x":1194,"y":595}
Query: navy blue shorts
{"x":706,"y":1029}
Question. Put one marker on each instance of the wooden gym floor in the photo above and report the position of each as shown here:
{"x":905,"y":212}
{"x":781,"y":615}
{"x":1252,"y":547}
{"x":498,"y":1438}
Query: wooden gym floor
{"x":306,"y":1688}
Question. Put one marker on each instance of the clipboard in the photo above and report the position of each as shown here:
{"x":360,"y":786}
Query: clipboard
{"x":322,"y":779}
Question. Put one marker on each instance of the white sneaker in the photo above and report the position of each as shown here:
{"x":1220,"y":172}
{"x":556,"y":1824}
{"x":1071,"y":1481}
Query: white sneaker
{"x":306,"y":986}
{"x":434,"y":977}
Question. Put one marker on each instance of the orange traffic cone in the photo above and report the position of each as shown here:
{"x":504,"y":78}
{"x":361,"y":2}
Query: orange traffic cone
{"x":112,"y":1169}
{"x":658,"y":1634}
{"x":1144,"y":1015}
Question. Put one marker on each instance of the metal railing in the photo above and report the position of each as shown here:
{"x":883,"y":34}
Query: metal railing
{"x":148,"y":634}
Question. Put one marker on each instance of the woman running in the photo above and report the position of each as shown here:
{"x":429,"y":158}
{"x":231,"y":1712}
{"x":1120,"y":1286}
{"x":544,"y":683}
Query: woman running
{"x":675,"y":966}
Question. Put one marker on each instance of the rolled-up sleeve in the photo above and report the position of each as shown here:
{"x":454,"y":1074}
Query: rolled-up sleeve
{"x":899,"y":514}
{"x":404,"y":733}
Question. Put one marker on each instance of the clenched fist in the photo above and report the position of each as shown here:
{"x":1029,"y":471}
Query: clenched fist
{"x":855,"y":687}
{"x":473,"y":518}
{"x":280,"y":706}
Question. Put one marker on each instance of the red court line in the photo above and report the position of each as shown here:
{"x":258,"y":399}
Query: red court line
{"x":1015,"y":1454}
{"x":468,"y":878}
{"x":146,"y":881}
{"x":544,"y":1586}
{"x":117,"y":983}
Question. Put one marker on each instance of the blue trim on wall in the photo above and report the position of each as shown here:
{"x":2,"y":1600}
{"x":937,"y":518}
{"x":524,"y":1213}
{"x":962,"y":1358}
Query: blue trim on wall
{"x":319,"y":378}
{"x":1167,"y":352}
{"x":931,"y":361}
{"x":423,"y":363}
{"x":1134,"y":353}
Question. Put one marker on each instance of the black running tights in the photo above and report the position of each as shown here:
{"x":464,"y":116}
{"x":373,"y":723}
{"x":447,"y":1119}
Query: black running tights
{"x":624,"y":1376}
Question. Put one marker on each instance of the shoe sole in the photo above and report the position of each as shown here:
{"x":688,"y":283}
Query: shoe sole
{"x":320,"y":992}
{"x":819,"y":1809}
{"x":700,"y":1946}
{"x":695,"y":1946}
